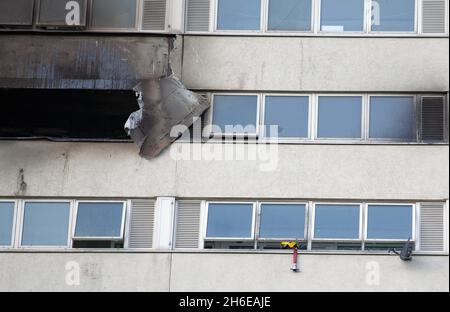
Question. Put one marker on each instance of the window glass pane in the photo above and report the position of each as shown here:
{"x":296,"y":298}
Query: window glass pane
{"x":239,"y":15}
{"x":339,"y":117}
{"x":393,"y":15}
{"x":392,"y":117}
{"x":290,"y":15}
{"x":282,"y":221}
{"x":230,"y":220}
{"x":6,"y":222}
{"x":389,"y":222}
{"x":235,"y":111}
{"x":99,"y":220}
{"x":342,"y":15}
{"x":45,"y":224}
{"x":289,"y":113}
{"x":114,"y":14}
{"x":337,"y":221}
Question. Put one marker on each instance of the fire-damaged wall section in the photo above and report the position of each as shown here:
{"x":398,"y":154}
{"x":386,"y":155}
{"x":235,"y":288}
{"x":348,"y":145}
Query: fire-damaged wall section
{"x":143,"y":64}
{"x":67,"y":61}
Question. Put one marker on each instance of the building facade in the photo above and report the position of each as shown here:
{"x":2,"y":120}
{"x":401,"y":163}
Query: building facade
{"x":328,"y":125}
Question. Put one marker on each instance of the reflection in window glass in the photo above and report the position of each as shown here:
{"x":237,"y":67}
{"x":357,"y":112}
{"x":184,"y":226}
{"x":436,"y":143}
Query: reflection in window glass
{"x":99,"y":220}
{"x":389,"y":222}
{"x":336,"y":221}
{"x":6,"y":222}
{"x":235,"y":111}
{"x":342,"y":15}
{"x":339,"y":117}
{"x":290,"y":15}
{"x":282,"y":221}
{"x":289,"y":113}
{"x":45,"y":224}
{"x":393,"y":15}
{"x":230,"y":220}
{"x":114,"y":14}
{"x":239,"y":15}
{"x":392,"y":117}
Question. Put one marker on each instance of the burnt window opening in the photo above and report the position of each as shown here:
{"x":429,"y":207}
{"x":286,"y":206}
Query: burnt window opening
{"x":65,"y":114}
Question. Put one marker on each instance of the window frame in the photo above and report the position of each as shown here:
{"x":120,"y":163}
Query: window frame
{"x":230,"y":239}
{"x":266,"y":23}
{"x":344,"y":240}
{"x":341,"y":33}
{"x":262,"y":134}
{"x":21,"y":219}
{"x":220,"y":135}
{"x":271,"y":239}
{"x":99,"y":238}
{"x":227,"y":31}
{"x":392,"y":140}
{"x":137,"y":21}
{"x":361,"y":139}
{"x":417,"y":14}
{"x":383,"y":240}
{"x":14,"y":223}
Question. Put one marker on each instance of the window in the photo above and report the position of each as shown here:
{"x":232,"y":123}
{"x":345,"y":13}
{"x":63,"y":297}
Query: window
{"x":282,"y":221}
{"x":393,"y":117}
{"x":289,"y":15}
{"x":289,"y":113}
{"x":393,"y":15}
{"x":6,"y":223}
{"x":342,"y":15}
{"x":230,"y":220}
{"x":337,"y":221}
{"x":45,"y":224}
{"x":100,"y":220}
{"x":235,"y":114}
{"x":339,"y":117}
{"x":390,"y":222}
{"x":239,"y":15}
{"x":114,"y":14}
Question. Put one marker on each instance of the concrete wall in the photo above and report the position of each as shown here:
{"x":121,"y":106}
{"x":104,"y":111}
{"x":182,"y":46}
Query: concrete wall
{"x":220,"y":272}
{"x":316,"y":64}
{"x":397,"y":172}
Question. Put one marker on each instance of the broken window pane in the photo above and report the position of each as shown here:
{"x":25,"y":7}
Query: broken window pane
{"x":114,"y":14}
{"x":239,"y":15}
{"x":235,"y":113}
{"x":45,"y":224}
{"x":6,"y":223}
{"x":282,"y":221}
{"x":398,"y":15}
{"x":290,"y":15}
{"x":289,"y":113}
{"x":392,"y":117}
{"x":103,"y":220}
{"x":342,"y":15}
{"x":339,"y":117}
{"x":229,"y":220}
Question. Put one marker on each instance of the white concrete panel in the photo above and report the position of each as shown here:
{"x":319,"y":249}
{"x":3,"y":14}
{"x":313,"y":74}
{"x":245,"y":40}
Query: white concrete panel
{"x":386,"y":172}
{"x":316,"y":64}
{"x":83,"y":169}
{"x":97,"y":272}
{"x":246,"y":272}
{"x":165,"y":212}
{"x":21,"y":271}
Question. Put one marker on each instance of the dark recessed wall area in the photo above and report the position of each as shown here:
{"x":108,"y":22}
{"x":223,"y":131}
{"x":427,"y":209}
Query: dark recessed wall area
{"x":65,"y":114}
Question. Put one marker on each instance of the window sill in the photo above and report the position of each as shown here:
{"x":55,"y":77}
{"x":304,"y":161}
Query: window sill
{"x":215,"y":251}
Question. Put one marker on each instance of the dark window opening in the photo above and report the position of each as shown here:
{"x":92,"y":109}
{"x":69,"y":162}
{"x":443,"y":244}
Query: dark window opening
{"x":65,"y":114}
{"x":97,"y":244}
